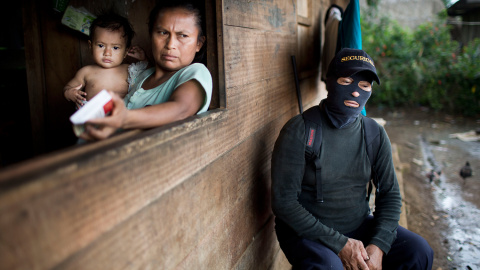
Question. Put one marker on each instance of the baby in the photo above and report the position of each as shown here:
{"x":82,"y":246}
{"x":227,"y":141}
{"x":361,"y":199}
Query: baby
{"x":110,"y":40}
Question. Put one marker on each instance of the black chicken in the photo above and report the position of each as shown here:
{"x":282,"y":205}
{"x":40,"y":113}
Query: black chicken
{"x":465,"y":172}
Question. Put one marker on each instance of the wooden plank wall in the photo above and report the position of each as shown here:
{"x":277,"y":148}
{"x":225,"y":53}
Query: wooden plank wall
{"x":470,"y":32}
{"x":190,"y":195}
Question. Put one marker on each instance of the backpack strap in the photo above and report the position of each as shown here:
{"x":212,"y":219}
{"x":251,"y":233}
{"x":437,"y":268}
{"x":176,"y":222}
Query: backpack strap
{"x":313,"y":132}
{"x":313,"y":143}
{"x":371,"y":133}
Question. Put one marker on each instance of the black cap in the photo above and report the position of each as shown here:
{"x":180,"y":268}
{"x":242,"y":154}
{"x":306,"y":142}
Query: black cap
{"x":348,"y":62}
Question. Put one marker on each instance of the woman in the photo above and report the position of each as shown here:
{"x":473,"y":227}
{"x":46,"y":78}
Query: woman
{"x":174,"y":88}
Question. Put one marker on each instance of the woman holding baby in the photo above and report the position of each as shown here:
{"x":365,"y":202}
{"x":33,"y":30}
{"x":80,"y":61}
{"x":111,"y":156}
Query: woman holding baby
{"x":174,"y":88}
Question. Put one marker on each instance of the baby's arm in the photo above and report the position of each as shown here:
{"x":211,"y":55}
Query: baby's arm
{"x":73,"y":90}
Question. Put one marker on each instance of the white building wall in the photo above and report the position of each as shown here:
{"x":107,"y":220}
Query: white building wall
{"x":410,"y":13}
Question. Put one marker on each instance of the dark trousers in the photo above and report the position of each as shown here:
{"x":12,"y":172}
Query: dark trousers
{"x":408,"y":251}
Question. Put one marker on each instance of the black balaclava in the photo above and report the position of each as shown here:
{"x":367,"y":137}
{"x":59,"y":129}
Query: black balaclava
{"x":340,"y":114}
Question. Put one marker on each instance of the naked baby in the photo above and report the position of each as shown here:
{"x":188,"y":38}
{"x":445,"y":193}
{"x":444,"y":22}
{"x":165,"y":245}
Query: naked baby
{"x":110,"y":43}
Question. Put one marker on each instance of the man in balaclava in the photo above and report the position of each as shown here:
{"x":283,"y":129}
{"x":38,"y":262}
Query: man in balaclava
{"x":349,"y":78}
{"x":327,"y":224}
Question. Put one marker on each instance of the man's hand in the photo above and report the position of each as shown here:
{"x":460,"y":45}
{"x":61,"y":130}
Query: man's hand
{"x":76,"y":95}
{"x":376,"y":256}
{"x":102,"y":128}
{"x":354,"y":255}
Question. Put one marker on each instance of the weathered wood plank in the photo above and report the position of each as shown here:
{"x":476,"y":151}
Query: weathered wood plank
{"x":306,"y":51}
{"x":280,"y":262}
{"x":214,"y":53}
{"x":398,"y":170}
{"x":69,"y":208}
{"x":216,"y":213}
{"x":62,"y":42}
{"x":119,"y":208}
{"x":237,"y":230}
{"x":252,"y":55}
{"x":304,"y":8}
{"x":138,"y":15}
{"x":97,"y":190}
{"x":277,"y":16}
{"x":35,"y":74}
{"x":264,"y":243}
{"x":86,"y":189}
{"x":312,"y":91}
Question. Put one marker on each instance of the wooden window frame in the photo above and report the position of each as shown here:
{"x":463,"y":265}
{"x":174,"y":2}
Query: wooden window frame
{"x":215,"y":52}
{"x":217,"y":111}
{"x":307,"y":21}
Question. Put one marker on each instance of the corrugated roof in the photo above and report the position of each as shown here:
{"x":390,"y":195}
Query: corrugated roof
{"x":450,"y":3}
{"x":461,"y":7}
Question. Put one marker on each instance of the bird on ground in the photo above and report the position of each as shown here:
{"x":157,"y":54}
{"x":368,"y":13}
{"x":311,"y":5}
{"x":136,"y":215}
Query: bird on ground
{"x":465,"y":172}
{"x":433,"y":175}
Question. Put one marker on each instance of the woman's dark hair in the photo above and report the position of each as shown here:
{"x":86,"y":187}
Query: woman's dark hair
{"x":190,"y":6}
{"x":113,"y":22}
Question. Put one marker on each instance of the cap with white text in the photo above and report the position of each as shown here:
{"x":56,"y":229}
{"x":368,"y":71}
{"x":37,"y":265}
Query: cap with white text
{"x":348,"y":62}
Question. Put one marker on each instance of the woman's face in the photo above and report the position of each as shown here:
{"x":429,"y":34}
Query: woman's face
{"x":175,"y":39}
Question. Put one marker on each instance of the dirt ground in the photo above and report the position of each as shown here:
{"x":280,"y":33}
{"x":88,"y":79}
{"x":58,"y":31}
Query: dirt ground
{"x":445,"y":211}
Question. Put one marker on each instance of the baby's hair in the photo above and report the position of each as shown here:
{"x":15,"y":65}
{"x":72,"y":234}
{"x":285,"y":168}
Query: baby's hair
{"x":113,"y":22}
{"x":187,"y":5}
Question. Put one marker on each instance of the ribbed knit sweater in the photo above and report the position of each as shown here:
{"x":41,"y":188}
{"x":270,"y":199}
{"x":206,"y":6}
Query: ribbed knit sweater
{"x":345,"y":172}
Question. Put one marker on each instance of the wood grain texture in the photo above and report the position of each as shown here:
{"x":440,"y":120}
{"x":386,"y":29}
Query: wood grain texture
{"x":190,"y":195}
{"x":94,"y":188}
{"x":35,"y":75}
{"x":73,"y":214}
{"x":276,"y":16}
{"x":61,"y":61}
{"x":253,"y":55}
{"x":280,"y":262}
{"x":216,"y":215}
{"x":398,"y":171}
{"x":77,"y":203}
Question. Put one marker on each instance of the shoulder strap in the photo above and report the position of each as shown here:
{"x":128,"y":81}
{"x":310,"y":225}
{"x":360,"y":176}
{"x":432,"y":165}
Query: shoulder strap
{"x":313,"y":132}
{"x":313,"y":143}
{"x":371,"y":131}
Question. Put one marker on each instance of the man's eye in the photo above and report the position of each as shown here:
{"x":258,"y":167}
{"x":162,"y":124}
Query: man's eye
{"x":182,"y":35}
{"x":344,"y":81}
{"x":365,"y":86}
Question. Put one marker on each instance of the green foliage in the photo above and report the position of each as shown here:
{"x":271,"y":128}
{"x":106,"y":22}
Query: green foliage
{"x":422,"y":67}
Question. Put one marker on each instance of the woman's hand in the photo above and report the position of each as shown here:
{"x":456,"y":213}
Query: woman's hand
{"x":102,"y":128}
{"x":137,"y":53}
{"x":76,"y":95}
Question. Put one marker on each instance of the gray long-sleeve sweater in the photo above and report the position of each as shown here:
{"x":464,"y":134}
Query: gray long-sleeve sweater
{"x":345,"y":172}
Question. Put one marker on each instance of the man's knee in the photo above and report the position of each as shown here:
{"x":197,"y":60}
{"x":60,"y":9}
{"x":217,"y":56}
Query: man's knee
{"x":423,"y":254}
{"x":307,"y":254}
{"x":419,"y":247}
{"x":410,"y":251}
{"x":316,"y":263}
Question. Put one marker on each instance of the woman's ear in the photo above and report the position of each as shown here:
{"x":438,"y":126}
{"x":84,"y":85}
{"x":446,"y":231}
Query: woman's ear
{"x":200,"y":43}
